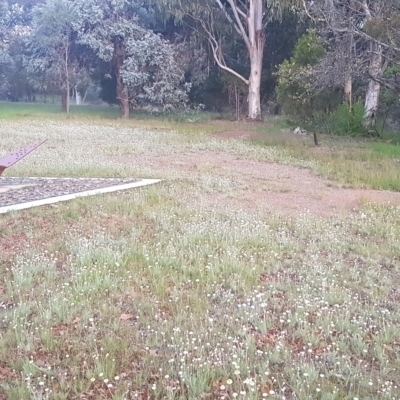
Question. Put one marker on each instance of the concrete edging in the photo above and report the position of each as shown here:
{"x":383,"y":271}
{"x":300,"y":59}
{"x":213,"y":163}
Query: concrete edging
{"x":52,"y":200}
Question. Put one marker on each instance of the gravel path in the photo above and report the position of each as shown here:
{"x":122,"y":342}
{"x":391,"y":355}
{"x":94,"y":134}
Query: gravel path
{"x":22,"y":190}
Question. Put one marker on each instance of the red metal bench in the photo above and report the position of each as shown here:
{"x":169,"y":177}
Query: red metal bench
{"x":10,"y":159}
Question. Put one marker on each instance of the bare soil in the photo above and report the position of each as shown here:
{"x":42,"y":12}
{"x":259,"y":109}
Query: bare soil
{"x":255,"y":185}
{"x":260,"y":185}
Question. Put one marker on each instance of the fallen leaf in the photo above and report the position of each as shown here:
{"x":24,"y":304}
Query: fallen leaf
{"x":265,"y":389}
{"x":126,"y":317}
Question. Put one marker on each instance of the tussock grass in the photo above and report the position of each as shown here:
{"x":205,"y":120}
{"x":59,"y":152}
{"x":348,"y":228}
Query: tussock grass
{"x":143,"y":295}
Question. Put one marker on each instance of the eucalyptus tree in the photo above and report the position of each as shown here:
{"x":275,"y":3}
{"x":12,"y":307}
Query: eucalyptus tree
{"x":14,"y":23}
{"x":50,"y":59}
{"x":5,"y":59}
{"x":382,"y":26}
{"x":143,"y":64}
{"x":374,"y":25}
{"x":220,"y":20}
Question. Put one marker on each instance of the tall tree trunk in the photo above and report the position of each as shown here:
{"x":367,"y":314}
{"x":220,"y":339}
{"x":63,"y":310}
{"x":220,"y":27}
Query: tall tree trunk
{"x":123,"y":99}
{"x":78,"y":97}
{"x":348,"y":90}
{"x":122,"y":96}
{"x":122,"y":89}
{"x":256,"y":59}
{"x":348,"y":82}
{"x":67,"y":96}
{"x":249,"y":25}
{"x":256,"y":51}
{"x":64,"y":101}
{"x":372,"y":96}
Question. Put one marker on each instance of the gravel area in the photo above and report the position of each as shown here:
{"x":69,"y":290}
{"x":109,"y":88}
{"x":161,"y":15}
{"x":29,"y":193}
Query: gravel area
{"x":21,"y":190}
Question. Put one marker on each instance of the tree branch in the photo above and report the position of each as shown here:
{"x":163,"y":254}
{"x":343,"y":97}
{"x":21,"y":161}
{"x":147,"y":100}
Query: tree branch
{"x":384,"y":83}
{"x":228,"y":17}
{"x":243,"y":33}
{"x":242,"y":13}
{"x":219,"y":58}
{"x":365,"y":36}
{"x":306,"y":10}
{"x":217,"y":51}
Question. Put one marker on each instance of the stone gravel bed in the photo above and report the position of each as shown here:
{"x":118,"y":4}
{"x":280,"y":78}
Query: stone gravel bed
{"x":44,"y":188}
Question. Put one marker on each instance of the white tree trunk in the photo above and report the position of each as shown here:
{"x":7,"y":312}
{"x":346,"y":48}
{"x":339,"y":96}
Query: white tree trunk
{"x":67,"y":47}
{"x":78,"y":97}
{"x":348,"y":82}
{"x":67,"y":99}
{"x":248,"y":23}
{"x":256,"y":52}
{"x":255,"y":83}
{"x":371,"y":103}
{"x":372,"y":96}
{"x":84,"y":96}
{"x":348,"y":90}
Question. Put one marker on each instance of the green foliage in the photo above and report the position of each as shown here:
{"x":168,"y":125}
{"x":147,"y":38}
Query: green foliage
{"x":308,"y":50}
{"x":343,"y":121}
{"x":15,"y":85}
{"x":349,"y":122}
{"x":295,"y":90}
{"x":282,"y":35}
{"x":389,"y":99}
{"x":49,"y":57}
{"x":211,"y":92}
{"x":142,"y":61}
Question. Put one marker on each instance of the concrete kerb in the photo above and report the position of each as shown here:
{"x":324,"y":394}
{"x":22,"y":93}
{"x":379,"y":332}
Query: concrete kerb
{"x":57,"y":199}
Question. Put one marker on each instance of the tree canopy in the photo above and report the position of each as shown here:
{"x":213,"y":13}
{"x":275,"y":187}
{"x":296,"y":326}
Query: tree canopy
{"x":165,"y":55}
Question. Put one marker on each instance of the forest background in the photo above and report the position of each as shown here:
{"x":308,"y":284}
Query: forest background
{"x":331,"y":66}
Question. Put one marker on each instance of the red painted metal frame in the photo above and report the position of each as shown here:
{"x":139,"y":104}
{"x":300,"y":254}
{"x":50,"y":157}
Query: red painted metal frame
{"x":10,"y":159}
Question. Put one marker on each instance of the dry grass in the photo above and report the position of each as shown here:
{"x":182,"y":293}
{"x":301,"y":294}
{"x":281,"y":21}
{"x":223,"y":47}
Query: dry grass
{"x":142,"y":295}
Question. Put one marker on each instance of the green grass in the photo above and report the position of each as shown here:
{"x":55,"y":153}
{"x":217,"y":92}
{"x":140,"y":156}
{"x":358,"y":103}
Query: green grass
{"x":16,"y":111}
{"x":10,"y":111}
{"x":177,"y":291}
{"x":386,"y":149}
{"x":351,"y":162}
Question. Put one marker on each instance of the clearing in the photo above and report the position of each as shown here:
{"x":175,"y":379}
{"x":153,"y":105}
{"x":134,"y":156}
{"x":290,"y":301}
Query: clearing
{"x":244,"y":274}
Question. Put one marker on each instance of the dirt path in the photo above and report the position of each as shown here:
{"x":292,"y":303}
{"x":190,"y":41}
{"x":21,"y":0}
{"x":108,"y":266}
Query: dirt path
{"x":258,"y":184}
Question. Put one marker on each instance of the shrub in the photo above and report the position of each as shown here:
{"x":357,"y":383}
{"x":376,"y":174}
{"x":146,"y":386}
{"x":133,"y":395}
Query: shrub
{"x":295,"y":92}
{"x":343,"y":121}
{"x":349,"y":122}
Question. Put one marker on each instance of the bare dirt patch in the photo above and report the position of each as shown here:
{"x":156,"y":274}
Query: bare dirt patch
{"x":259,"y":185}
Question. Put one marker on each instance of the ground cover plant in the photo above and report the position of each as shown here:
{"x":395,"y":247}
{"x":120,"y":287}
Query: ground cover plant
{"x":242,"y":275}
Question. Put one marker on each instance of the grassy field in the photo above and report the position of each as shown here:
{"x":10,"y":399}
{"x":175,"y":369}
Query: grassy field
{"x":159,"y":293}
{"x":16,"y":111}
